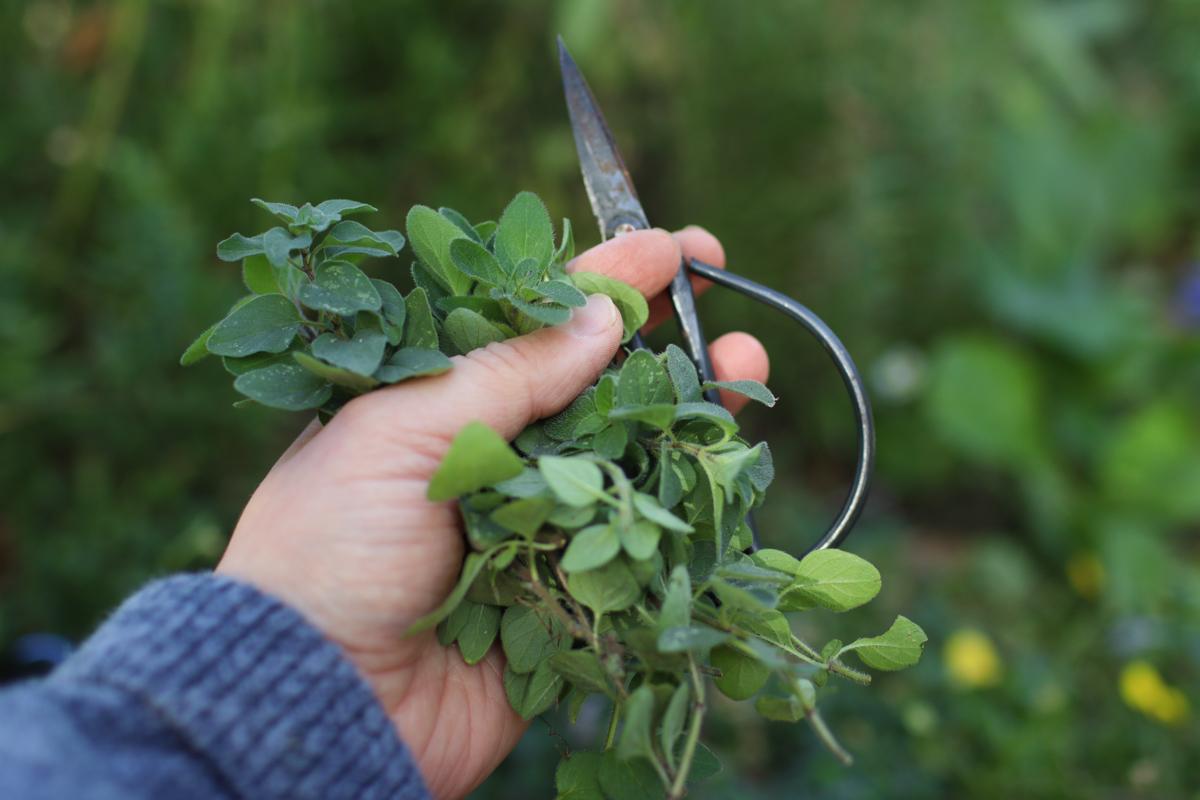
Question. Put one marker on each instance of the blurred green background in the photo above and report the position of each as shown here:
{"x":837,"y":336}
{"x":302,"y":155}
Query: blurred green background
{"x":994,"y":203}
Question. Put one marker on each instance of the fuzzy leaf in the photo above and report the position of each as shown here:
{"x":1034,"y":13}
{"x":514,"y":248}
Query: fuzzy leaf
{"x":413,"y":362}
{"x":832,"y":579}
{"x":532,"y":693}
{"x":478,"y":630}
{"x":477,"y":457}
{"x":742,"y":675}
{"x":342,"y":377}
{"x":525,"y":231}
{"x":747,"y":388}
{"x":529,"y":638}
{"x":237,"y":247}
{"x":361,"y":354}
{"x":431,"y":235}
{"x":286,"y":386}
{"x":265,"y":324}
{"x":470,"y":331}
{"x":591,"y":547}
{"x":578,"y":777}
{"x":628,"y":300}
{"x":419,"y":329}
{"x":473,"y":259}
{"x":897,"y":648}
{"x":392,"y":310}
{"x":575,"y":481}
{"x":635,"y":734}
{"x":643,"y":382}
{"x":341,"y":288}
{"x":612,"y":587}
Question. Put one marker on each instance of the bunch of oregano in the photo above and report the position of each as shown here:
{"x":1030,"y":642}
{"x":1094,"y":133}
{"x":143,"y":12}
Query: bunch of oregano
{"x":608,"y":549}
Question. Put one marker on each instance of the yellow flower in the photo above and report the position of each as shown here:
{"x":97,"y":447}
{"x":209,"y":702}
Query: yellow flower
{"x":971,"y":659}
{"x":1144,"y":690}
{"x":1086,"y":574}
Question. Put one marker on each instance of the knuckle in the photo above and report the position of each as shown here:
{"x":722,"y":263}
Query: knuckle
{"x":508,"y":365}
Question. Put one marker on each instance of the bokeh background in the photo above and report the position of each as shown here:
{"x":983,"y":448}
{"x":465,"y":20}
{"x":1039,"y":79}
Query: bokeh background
{"x":994,"y":203}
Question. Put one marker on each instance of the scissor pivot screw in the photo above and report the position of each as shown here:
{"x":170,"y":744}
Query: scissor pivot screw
{"x":623,"y":228}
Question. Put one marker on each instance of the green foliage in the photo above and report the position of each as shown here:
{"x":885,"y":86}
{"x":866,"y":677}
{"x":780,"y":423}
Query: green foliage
{"x":617,"y":526}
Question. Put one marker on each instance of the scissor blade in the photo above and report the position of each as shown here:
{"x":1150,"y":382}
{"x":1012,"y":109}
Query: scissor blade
{"x":609,"y":187}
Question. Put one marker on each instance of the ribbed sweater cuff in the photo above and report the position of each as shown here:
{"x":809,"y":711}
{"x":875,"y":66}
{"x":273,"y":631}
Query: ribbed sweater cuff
{"x":271,"y":704}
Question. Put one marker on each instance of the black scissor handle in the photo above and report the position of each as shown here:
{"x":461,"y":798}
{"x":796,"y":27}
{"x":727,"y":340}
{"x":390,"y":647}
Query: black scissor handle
{"x":851,"y":378}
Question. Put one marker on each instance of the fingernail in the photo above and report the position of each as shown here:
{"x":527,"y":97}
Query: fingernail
{"x":595,"y":318}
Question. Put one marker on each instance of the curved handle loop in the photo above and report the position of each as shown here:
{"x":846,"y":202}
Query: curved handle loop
{"x":851,"y":378}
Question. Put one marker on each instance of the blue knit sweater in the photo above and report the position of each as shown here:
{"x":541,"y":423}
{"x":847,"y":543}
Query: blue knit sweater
{"x":202,"y":687}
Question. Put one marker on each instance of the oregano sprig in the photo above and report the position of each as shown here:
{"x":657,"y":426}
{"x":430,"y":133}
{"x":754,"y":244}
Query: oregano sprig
{"x":608,"y":543}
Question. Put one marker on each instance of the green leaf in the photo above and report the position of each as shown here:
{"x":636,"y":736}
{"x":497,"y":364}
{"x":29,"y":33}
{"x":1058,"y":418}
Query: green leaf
{"x":341,"y":288}
{"x":591,"y":547}
{"x":532,"y":693}
{"x":832,"y":579}
{"x":311,"y":220}
{"x":747,"y":388}
{"x":578,"y":777}
{"x":413,"y":362}
{"x":780,"y":709}
{"x":344,"y":208}
{"x":629,"y":780}
{"x":266,"y":324}
{"x":612,"y":587}
{"x":529,"y":637}
{"x":431,"y":235}
{"x":575,"y":481}
{"x":683,"y":375}
{"x":525,"y":231}
{"x":198,"y":349}
{"x":524,"y":516}
{"x":469,"y":331}
{"x":286,"y":386}
{"x":478,"y":630}
{"x":259,"y":275}
{"x":477,"y":457}
{"x":472,"y":565}
{"x":337,"y":375}
{"x":673,"y":721}
{"x":419,"y":328}
{"x":676,"y":609}
{"x":473,"y":259}
{"x":566,"y":247}
{"x":705,"y":764}
{"x":583,"y":669}
{"x":237,"y":247}
{"x":528,"y":484}
{"x":462,"y":222}
{"x":648,"y":507}
{"x":696,"y":638}
{"x":278,"y":245}
{"x":560,"y":292}
{"x":392,"y":309}
{"x":361,"y":354}
{"x":643,"y":382}
{"x":285,"y":211}
{"x":628,"y":300}
{"x":611,"y":442}
{"x":742,"y":675}
{"x":546,"y":313}
{"x":640,"y":540}
{"x":638,"y":711}
{"x":899,"y":647}
{"x":565,"y":425}
{"x":659,"y":415}
{"x":709,"y":412}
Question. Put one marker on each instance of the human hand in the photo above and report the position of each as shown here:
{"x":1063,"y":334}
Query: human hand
{"x":341,"y":528}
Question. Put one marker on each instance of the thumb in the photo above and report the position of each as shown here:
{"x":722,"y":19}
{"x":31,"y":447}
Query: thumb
{"x":509,"y":384}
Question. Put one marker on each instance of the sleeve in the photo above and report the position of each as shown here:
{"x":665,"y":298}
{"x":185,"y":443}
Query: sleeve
{"x":202,"y":687}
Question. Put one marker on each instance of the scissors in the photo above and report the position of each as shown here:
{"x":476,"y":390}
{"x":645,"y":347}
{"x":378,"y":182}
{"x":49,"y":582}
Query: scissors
{"x":618,"y":210}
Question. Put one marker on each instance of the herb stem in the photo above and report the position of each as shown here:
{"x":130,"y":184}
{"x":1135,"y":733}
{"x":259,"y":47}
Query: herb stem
{"x":679,"y":787}
{"x":613,"y":718}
